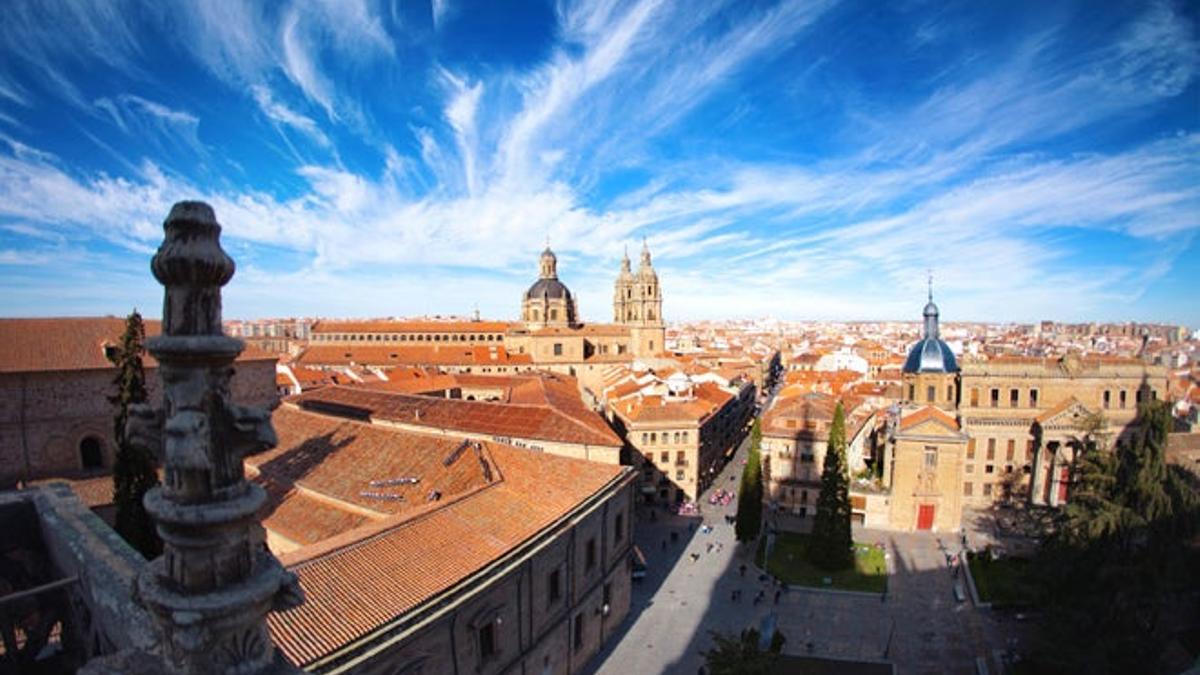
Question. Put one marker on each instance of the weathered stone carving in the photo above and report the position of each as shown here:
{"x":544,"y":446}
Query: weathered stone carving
{"x":216,"y":580}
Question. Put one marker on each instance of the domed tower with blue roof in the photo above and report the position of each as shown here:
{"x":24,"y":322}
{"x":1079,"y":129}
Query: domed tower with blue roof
{"x":931,"y":372}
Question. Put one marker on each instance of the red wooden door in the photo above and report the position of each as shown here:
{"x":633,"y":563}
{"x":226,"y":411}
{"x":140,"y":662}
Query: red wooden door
{"x":1064,"y":478}
{"x":925,"y":517}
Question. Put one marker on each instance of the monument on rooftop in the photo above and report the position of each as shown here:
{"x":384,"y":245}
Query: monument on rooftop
{"x":215,"y":582}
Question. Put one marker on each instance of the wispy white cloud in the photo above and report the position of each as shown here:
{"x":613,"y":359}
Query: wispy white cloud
{"x":277,"y":112}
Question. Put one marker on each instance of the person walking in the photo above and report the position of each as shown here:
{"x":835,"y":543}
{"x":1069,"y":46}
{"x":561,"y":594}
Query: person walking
{"x":742,"y":569}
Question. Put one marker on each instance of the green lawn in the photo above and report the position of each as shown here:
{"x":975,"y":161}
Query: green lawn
{"x":1002,"y":582}
{"x":790,"y":564}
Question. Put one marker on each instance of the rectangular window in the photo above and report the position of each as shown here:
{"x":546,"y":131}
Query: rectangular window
{"x":930,"y":457}
{"x":987,"y":489}
{"x":1029,"y":450}
{"x":974,"y":397}
{"x":645,"y":438}
{"x":678,"y":474}
{"x":590,"y":555}
{"x":991,"y":453}
{"x":912,"y":392}
{"x":578,"y":640}
{"x":665,"y":457}
{"x":1121,"y":394}
{"x":1014,"y":398}
{"x":950,"y":394}
{"x":558,"y":349}
{"x":685,"y":440}
{"x":1107,"y":398}
{"x":989,"y":469}
{"x":970,"y":468}
{"x":607,"y":596}
{"x":1012,"y":449}
{"x":487,"y":641}
{"x":554,"y":587}
{"x":1033,"y":398}
{"x":995,"y":398}
{"x":619,"y":528}
{"x":929,"y":394}
{"x":970,"y":448}
{"x":967,"y":488}
{"x":680,"y":457}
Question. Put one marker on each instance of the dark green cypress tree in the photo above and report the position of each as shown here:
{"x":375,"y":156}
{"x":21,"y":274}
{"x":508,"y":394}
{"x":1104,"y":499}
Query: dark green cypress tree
{"x":134,"y":470}
{"x":750,"y":494}
{"x":830,"y":547}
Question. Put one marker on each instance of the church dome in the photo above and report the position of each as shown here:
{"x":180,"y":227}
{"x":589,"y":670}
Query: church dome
{"x":548,"y":288}
{"x":548,"y":285}
{"x":931,"y":354}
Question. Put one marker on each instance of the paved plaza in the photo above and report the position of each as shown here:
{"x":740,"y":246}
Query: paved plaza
{"x":919,"y":625}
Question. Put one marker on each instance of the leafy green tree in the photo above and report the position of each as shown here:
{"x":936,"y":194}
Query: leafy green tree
{"x":831,"y":547}
{"x":134,"y":470}
{"x":748,"y":522}
{"x":1120,"y":558}
{"x":741,"y":655}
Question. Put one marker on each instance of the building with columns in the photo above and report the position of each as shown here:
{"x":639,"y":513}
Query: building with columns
{"x":1005,"y":427}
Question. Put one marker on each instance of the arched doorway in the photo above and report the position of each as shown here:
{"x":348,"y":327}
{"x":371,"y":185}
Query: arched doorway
{"x":91,"y":453}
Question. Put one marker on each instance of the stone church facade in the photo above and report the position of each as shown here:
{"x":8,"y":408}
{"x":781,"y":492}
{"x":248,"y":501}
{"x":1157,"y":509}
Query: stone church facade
{"x":1000,"y":430}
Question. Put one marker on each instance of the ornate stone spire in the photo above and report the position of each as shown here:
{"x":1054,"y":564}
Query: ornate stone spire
{"x":216,"y":581}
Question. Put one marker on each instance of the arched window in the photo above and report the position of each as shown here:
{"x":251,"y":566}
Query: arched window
{"x":91,"y":453}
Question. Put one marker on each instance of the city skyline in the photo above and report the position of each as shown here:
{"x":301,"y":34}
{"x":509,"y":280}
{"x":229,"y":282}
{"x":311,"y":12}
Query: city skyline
{"x":800,"y":160}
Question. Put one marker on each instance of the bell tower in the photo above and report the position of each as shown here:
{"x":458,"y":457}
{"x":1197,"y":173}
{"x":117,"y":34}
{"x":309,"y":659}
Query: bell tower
{"x":637,"y":303}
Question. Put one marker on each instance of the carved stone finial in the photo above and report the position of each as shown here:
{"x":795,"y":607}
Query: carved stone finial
{"x":216,"y":580}
{"x":193,"y":267}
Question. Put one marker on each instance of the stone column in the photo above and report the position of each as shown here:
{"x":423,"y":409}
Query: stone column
{"x":216,"y":581}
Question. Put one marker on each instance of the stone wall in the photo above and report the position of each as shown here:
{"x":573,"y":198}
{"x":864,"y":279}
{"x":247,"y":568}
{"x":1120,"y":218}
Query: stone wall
{"x":46,"y":416}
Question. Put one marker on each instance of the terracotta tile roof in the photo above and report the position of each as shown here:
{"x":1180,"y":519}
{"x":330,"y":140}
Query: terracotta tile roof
{"x":411,"y":355}
{"x":93,"y":492}
{"x":925,"y":414}
{"x":560,"y":421}
{"x":377,"y":573}
{"x":76,"y":343}
{"x":339,"y":458}
{"x":412,"y":326}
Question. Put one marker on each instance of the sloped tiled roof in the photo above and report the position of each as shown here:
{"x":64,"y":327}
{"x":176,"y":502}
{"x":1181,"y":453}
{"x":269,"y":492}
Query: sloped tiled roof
{"x":924,"y":415}
{"x":563,"y":424}
{"x":75,"y":343}
{"x":384,"y":569}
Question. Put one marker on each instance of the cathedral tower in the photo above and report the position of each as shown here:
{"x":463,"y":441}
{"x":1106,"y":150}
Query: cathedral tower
{"x":637,"y":303}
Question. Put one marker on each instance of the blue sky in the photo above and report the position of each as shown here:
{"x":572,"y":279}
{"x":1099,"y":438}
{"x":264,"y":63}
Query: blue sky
{"x":804,"y":160}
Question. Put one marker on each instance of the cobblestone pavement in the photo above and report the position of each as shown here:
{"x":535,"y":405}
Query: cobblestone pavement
{"x":919,"y":625}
